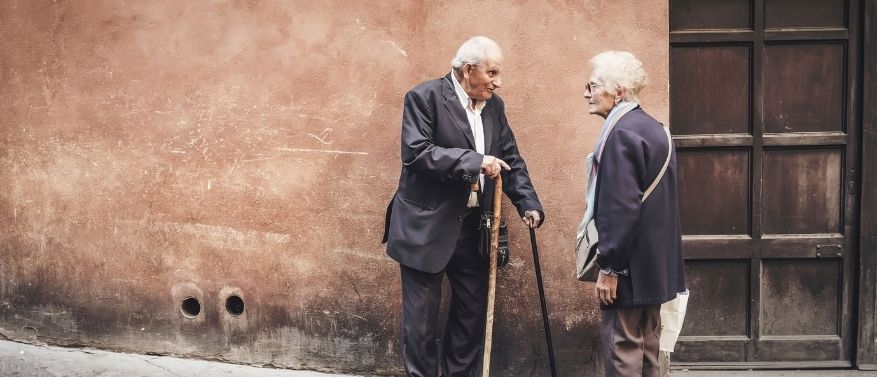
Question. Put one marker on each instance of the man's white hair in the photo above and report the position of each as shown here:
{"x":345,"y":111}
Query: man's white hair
{"x":475,"y":51}
{"x":620,"y":69}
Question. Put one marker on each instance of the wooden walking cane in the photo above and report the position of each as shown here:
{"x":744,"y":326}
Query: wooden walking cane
{"x":491,"y":285}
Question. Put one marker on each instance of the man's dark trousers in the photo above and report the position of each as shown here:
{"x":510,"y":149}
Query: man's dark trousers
{"x":421,"y":300}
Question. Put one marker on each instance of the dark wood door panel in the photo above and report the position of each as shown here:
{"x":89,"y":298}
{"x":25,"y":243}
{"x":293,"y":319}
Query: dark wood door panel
{"x":712,"y":89}
{"x":712,"y":350}
{"x":774,"y":246}
{"x":810,"y":35}
{"x":704,"y":141}
{"x":715,"y":185}
{"x":719,"y":247}
{"x":802,"y":190}
{"x":709,"y":14}
{"x":804,"y":87}
{"x":812,"y":350}
{"x":800,"y":297}
{"x":786,"y":246}
{"x":712,"y":279}
{"x":698,"y":37}
{"x":831,"y":138}
{"x":804,"y":13}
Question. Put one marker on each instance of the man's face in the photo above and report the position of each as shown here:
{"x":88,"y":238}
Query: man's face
{"x":480,"y":81}
{"x":600,"y":99}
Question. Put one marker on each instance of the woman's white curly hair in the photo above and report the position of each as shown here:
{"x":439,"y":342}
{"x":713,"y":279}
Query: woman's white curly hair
{"x":620,"y":69}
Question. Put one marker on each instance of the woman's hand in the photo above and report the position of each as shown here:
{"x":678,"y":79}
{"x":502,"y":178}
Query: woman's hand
{"x":606,"y":288}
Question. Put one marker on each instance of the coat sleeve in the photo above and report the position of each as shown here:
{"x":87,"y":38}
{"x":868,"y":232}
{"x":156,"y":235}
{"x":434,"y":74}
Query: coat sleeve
{"x":516,"y":182}
{"x":420,"y":153}
{"x":619,"y":198}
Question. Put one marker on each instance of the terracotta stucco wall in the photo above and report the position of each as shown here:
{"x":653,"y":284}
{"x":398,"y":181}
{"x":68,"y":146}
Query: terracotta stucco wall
{"x":151,"y":151}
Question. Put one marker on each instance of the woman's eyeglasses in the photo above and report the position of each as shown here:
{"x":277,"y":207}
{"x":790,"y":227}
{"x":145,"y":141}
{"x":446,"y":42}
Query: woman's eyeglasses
{"x":591,"y":86}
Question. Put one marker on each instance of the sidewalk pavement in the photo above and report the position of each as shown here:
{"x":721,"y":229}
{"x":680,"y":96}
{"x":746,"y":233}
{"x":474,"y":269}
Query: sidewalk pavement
{"x":25,"y":360}
{"x":773,"y":373}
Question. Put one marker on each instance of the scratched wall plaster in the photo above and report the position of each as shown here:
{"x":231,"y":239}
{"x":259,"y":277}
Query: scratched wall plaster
{"x":153,"y":151}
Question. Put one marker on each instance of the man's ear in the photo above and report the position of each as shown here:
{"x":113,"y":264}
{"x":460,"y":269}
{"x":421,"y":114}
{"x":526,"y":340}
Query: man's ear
{"x":467,"y":70}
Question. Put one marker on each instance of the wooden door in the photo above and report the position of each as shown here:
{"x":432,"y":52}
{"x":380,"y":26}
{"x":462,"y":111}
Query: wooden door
{"x":764,"y":109}
{"x":867,"y":321}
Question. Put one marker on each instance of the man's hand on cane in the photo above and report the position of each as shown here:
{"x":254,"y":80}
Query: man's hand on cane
{"x":532,"y":218}
{"x":492,"y":166}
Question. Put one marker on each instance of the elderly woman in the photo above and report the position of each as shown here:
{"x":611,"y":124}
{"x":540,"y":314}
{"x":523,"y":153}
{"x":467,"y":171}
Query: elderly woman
{"x":632,"y":199}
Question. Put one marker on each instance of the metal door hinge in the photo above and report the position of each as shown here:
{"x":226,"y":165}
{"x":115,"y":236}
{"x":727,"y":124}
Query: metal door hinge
{"x":828,"y":251}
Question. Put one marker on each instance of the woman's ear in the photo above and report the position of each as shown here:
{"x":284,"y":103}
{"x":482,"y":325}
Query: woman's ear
{"x":619,"y":93}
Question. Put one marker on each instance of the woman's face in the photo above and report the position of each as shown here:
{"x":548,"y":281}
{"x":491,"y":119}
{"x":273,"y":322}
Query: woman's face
{"x":600,"y":99}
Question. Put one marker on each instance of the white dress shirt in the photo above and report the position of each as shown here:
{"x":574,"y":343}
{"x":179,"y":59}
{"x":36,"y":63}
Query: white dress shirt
{"x":473,"y":113}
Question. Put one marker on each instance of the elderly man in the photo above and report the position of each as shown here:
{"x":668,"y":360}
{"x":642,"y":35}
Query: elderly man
{"x":455,"y":139}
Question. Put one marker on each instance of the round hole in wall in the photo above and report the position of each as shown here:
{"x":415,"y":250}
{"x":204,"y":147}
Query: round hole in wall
{"x":234,"y":305}
{"x":190,"y":307}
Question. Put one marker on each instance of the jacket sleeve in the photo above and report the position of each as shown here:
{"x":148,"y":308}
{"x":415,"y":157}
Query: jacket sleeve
{"x":619,"y":199}
{"x":516,"y":182}
{"x":420,"y":153}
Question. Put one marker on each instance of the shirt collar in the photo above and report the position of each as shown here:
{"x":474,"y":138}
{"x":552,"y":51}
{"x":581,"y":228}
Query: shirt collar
{"x":463,"y":97}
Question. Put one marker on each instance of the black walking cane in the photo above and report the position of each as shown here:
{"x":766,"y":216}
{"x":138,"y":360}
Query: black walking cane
{"x":542,"y":301}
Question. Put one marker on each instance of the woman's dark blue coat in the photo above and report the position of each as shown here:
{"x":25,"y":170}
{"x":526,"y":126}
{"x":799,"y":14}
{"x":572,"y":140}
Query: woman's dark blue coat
{"x":642,"y":238}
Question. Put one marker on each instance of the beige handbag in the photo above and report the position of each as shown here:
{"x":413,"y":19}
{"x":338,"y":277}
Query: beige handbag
{"x":586,"y":246}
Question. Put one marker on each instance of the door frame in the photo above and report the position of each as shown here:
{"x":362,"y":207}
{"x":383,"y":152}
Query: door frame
{"x":866,"y":355}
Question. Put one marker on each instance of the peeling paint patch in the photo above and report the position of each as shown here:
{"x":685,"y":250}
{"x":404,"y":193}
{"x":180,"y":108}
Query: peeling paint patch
{"x":223,"y":237}
{"x":360,"y":254}
{"x":401,"y":51}
{"x":320,"y":151}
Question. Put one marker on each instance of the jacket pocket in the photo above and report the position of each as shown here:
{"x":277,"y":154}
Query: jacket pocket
{"x":417,"y":205}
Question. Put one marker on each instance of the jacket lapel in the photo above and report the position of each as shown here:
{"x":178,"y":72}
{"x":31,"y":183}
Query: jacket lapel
{"x":458,"y":114}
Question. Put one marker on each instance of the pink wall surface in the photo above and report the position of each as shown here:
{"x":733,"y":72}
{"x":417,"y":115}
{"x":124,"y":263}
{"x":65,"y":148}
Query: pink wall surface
{"x":156,"y":150}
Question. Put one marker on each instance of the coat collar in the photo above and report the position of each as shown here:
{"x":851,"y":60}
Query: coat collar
{"x":458,"y":114}
{"x":452,"y":104}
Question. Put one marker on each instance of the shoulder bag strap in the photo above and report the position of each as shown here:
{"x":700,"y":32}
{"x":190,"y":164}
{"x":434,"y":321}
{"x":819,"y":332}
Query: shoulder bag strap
{"x":664,"y":168}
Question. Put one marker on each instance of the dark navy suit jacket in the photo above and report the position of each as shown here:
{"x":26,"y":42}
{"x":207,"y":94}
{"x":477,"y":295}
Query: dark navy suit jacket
{"x":643,"y":238}
{"x":439,"y":164}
